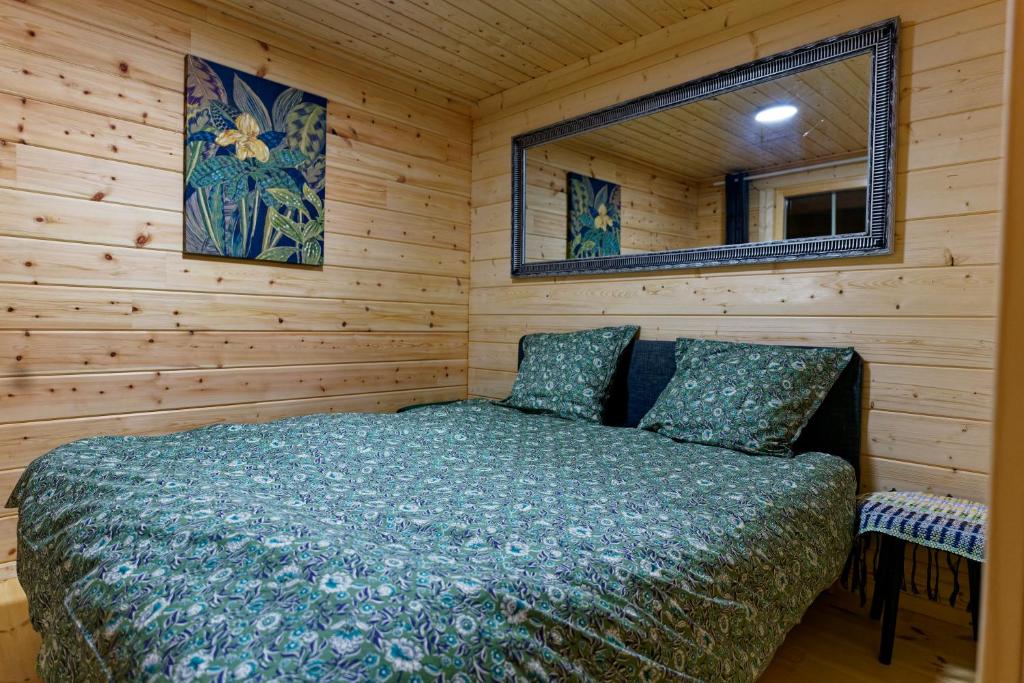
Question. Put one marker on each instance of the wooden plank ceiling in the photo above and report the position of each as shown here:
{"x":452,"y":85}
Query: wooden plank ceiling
{"x":469,"y":48}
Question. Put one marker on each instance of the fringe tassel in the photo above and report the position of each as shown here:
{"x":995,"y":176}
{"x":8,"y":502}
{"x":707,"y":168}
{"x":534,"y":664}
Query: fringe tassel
{"x":955,"y":568}
{"x":928,"y":577}
{"x":862,"y":570}
{"x":971,"y":597}
{"x":933,"y":587}
{"x":848,"y":567}
{"x":874,"y":562}
{"x":913,"y":569}
{"x":855,"y":571}
{"x":903,"y":574}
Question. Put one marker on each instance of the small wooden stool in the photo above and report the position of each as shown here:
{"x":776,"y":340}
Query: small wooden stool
{"x":938,"y":523}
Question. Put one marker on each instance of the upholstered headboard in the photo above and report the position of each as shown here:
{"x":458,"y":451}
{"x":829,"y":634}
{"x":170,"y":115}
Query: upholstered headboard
{"x":647,"y":366}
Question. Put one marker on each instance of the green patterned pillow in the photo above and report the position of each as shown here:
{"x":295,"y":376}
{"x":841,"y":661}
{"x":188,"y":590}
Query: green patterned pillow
{"x":747,"y":397}
{"x":568,"y":374}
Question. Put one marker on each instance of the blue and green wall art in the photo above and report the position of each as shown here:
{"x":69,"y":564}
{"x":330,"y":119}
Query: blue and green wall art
{"x":594,"y":217}
{"x":255,"y":159}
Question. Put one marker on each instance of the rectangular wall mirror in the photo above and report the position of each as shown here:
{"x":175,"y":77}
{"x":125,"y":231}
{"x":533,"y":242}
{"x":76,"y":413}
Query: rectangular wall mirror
{"x":786,"y":158}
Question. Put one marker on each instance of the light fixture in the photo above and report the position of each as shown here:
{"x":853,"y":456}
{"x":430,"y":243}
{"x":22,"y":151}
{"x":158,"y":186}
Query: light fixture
{"x":775,"y":114}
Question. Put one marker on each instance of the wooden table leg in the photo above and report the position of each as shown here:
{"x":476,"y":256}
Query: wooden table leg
{"x":974,"y":582}
{"x":892,"y":551}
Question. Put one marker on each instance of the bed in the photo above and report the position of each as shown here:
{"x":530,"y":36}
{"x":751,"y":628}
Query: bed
{"x":453,"y":542}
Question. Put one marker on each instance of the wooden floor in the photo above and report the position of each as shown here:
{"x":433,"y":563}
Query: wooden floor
{"x":18,"y":642}
{"x":835,"y":642}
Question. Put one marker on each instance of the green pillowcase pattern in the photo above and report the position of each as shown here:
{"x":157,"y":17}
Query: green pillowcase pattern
{"x":747,"y":397}
{"x":568,"y":374}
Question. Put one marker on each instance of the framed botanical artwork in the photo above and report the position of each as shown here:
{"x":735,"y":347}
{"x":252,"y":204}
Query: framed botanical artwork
{"x":255,"y":159}
{"x":595,"y":222}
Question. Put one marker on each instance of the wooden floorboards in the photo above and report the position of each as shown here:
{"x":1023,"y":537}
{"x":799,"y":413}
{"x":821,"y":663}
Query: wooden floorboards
{"x":18,"y":642}
{"x":835,"y":642}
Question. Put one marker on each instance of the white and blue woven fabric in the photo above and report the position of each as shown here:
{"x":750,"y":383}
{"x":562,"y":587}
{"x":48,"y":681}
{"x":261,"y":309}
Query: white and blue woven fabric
{"x":955,"y":525}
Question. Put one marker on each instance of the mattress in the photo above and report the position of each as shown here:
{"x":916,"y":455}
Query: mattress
{"x":456,"y":542}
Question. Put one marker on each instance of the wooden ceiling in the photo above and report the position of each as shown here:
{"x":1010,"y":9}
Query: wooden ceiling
{"x":468,"y":48}
{"x":707,"y":139}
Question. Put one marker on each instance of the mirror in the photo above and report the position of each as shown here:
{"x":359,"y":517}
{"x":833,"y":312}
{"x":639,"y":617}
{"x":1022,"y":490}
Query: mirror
{"x":786,"y":158}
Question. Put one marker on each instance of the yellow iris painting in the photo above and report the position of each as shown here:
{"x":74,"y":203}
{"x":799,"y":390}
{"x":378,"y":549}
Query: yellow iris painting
{"x":594,"y":217}
{"x":254,"y":167}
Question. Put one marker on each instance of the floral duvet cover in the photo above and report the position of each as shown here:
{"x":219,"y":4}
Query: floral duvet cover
{"x":459,"y":542}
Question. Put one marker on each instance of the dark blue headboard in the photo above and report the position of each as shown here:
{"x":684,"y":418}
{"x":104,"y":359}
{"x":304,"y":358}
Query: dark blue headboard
{"x":647,"y":366}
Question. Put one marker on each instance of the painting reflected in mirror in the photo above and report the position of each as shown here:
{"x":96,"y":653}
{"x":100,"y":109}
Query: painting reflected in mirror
{"x":777,"y":169}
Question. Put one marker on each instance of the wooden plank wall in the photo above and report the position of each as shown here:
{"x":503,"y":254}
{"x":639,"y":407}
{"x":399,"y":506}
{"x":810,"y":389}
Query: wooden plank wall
{"x":106,"y":328}
{"x":923,"y":318}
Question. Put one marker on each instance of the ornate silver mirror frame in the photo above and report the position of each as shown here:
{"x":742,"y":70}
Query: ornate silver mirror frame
{"x":880,"y":40}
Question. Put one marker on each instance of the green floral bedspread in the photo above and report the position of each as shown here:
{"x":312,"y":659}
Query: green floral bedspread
{"x":455,"y":543}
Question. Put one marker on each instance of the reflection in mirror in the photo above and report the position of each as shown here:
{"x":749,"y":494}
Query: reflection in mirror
{"x":780,"y":160}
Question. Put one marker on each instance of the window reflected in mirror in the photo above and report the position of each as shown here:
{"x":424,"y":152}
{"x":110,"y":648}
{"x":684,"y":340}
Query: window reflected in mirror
{"x":837,"y":212}
{"x":784,"y":159}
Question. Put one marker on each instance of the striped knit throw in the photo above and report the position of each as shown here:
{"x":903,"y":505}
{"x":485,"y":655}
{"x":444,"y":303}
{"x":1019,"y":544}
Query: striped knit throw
{"x":937,"y":523}
{"x":942,"y":523}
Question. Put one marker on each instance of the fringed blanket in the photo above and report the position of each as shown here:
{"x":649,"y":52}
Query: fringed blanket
{"x":953,"y":527}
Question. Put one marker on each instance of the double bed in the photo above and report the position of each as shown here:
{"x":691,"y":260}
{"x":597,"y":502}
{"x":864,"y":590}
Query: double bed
{"x":453,"y":542}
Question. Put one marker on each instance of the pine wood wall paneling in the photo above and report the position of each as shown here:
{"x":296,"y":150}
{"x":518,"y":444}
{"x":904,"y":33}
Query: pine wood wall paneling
{"x":66,"y":396}
{"x":28,"y":306}
{"x":923,"y":318}
{"x":953,"y":342}
{"x":52,"y":172}
{"x":390,"y":272}
{"x":46,"y":79}
{"x":106,"y":328}
{"x":44,"y":352}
